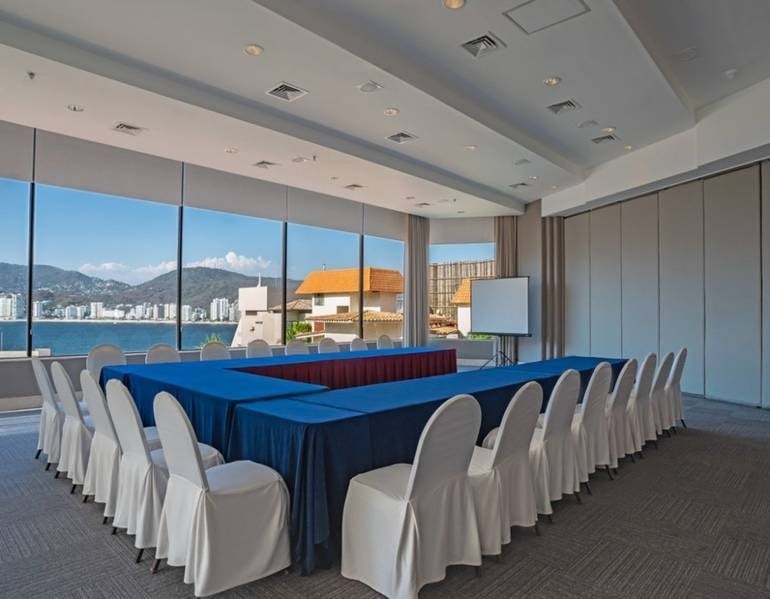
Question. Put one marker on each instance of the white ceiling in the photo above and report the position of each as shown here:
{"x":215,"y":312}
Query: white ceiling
{"x":181,"y":63}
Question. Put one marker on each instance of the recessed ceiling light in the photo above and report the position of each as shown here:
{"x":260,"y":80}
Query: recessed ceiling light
{"x":443,"y":201}
{"x":454,"y":4}
{"x":334,"y":178}
{"x":423,"y":205}
{"x":552,"y":81}
{"x":265,"y":164}
{"x":554,"y":187}
{"x":533,"y":177}
{"x":231,"y":150}
{"x":628,"y":148}
{"x":587,"y":124}
{"x":731,"y":73}
{"x":409,"y":197}
{"x":300,"y":159}
{"x":75,"y":107}
{"x":521,"y":162}
{"x":608,"y":129}
{"x":391,"y":111}
{"x":253,"y":49}
{"x":354,"y":187}
{"x":369,"y":87}
{"x":470,"y":147}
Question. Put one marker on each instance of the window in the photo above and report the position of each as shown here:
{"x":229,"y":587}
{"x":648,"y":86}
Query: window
{"x":323,"y":264}
{"x":14,"y":240}
{"x":104,"y":272}
{"x":231,"y":280}
{"x":383,"y":287}
{"x":451,"y":268}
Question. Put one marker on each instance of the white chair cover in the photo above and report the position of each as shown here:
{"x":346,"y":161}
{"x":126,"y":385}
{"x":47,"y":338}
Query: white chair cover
{"x":161,"y":353}
{"x":259,"y":348}
{"x":296,"y":347}
{"x":618,"y":425}
{"x":227,"y":525}
{"x":639,"y":410}
{"x":51,"y":415}
{"x":358,"y":344}
{"x":328,"y":346}
{"x":103,"y":355}
{"x":404,"y":524}
{"x":501,"y":477}
{"x":658,"y":401}
{"x":104,"y":459}
{"x":215,"y":350}
{"x":76,"y":431}
{"x":674,"y":389}
{"x":589,"y":425}
{"x":384,"y":342}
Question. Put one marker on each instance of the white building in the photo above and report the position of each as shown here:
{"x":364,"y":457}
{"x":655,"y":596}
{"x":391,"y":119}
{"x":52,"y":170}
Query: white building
{"x":187,"y":313}
{"x":97,"y":310}
{"x":12,"y":306}
{"x":219,"y":309}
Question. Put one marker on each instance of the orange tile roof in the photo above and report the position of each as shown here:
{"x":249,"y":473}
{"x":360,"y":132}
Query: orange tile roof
{"x":297,"y":305}
{"x":345,"y":280}
{"x":369,"y":316}
{"x":463,"y":293}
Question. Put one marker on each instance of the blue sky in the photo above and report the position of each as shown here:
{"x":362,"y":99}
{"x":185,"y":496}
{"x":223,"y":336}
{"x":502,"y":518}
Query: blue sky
{"x":134,"y":241}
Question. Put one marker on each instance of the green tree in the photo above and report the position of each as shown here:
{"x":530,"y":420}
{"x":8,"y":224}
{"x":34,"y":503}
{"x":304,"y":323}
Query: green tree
{"x":211,"y":338}
{"x":297,"y":328}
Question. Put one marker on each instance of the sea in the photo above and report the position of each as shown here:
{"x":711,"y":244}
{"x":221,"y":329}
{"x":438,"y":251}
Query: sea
{"x":65,"y":338}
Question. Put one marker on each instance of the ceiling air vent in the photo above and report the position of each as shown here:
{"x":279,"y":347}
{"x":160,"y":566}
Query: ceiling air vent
{"x":604,"y":139}
{"x":265,"y":164}
{"x":127,"y":128}
{"x":521,"y":185}
{"x":481,"y":46}
{"x":287,"y":92}
{"x":566,"y":106}
{"x":521,"y":162}
{"x":422,"y":205}
{"x":354,"y":187}
{"x":402,"y":137}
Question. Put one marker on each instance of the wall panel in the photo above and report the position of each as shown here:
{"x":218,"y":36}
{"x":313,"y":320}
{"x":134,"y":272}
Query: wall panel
{"x":732,"y":286}
{"x":529,"y":263}
{"x":606,"y":336}
{"x":681,"y":278}
{"x":577,"y":283}
{"x":765,"y":284}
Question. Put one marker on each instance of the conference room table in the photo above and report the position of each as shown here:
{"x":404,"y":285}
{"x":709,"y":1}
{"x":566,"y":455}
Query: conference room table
{"x":319,"y":441}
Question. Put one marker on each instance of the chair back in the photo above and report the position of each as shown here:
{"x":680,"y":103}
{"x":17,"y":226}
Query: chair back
{"x":296,"y":347}
{"x":644,"y":380}
{"x":259,"y":348}
{"x":97,"y":405}
{"x":180,"y":445}
{"x":678,"y":368}
{"x":661,"y":377}
{"x":358,"y":344}
{"x":384,"y":342}
{"x":595,"y":397}
{"x":518,"y":422}
{"x":623,"y":386}
{"x":103,"y":355}
{"x":43,"y":380}
{"x":328,"y":346}
{"x":561,"y":406}
{"x":161,"y":353}
{"x":214,"y":350}
{"x":65,"y":391}
{"x":446,"y":444}
{"x":125,"y":417}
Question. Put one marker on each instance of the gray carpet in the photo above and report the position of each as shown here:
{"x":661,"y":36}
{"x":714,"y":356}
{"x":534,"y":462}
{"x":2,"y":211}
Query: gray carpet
{"x":690,"y":520}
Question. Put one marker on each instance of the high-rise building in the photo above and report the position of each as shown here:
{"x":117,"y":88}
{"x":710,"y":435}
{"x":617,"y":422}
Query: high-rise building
{"x":37,"y":309}
{"x":186,"y":313}
{"x":97,"y":310}
{"x":219,"y":309}
{"x":12,"y":306}
{"x":170,"y":311}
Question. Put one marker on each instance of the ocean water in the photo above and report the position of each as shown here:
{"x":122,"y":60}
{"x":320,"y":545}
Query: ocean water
{"x":72,"y":338}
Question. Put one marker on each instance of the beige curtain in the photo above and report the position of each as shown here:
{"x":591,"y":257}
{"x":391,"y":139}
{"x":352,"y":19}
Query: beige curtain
{"x":553,"y":287}
{"x":505,"y":266}
{"x":416,"y":291}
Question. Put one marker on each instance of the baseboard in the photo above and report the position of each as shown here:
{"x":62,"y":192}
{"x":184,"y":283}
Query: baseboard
{"x":8,"y":404}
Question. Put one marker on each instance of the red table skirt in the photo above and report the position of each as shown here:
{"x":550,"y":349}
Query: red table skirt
{"x":355,"y":372}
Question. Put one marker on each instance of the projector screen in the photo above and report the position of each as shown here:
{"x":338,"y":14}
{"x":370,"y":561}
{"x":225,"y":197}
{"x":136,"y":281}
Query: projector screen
{"x":500,"y":306}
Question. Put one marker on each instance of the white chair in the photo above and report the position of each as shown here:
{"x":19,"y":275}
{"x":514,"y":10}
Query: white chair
{"x":658,"y":401}
{"x":215,"y":350}
{"x":403,"y":524}
{"x":77,"y":430}
{"x":51,"y":416}
{"x":674,"y":390}
{"x":639,"y":410}
{"x":162,"y":353}
{"x":358,"y":344}
{"x":328,"y":346}
{"x":384,"y":342}
{"x":143,"y":474}
{"x":227,"y":525}
{"x":103,"y":355}
{"x":618,"y":426}
{"x":589,"y":425}
{"x":259,"y":348}
{"x":296,"y":347}
{"x":501,"y":477}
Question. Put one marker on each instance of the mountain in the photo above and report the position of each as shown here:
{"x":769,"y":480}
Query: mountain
{"x":199,"y":286}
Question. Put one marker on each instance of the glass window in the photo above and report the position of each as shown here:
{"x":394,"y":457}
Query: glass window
{"x":451,"y":268}
{"x":323,"y":284}
{"x":14,"y":240}
{"x":104,"y":272}
{"x":231,"y":280}
{"x":384,"y":291}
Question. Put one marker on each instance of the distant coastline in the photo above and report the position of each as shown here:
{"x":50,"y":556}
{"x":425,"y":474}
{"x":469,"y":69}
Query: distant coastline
{"x":134,"y":321}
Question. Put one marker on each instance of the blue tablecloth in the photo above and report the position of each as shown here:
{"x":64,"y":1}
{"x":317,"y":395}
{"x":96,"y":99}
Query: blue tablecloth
{"x":585,"y":365}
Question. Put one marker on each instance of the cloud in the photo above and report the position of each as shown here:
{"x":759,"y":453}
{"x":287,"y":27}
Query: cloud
{"x":125,"y":273}
{"x":104,"y":269}
{"x":235,"y":262}
{"x":153,"y":270}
